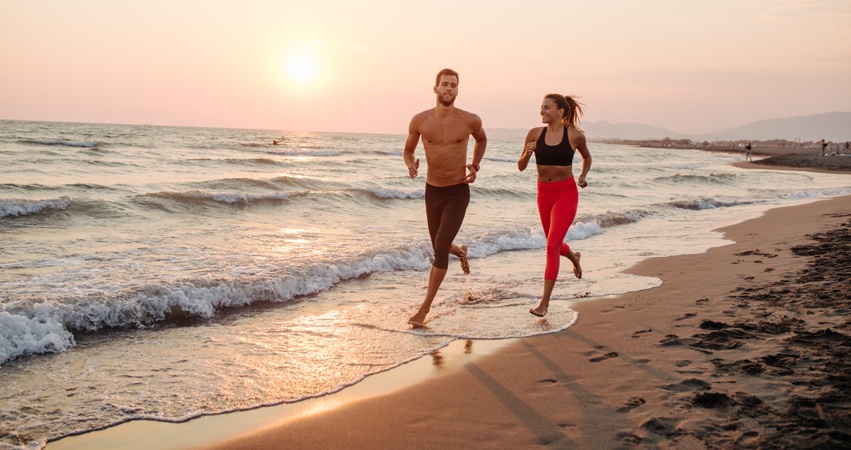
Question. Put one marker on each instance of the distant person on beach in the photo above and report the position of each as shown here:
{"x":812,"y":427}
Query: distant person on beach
{"x":823,"y":147}
{"x":558,"y":198}
{"x":445,"y":131}
{"x":748,"y":152}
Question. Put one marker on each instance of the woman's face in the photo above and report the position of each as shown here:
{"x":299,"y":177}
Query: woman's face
{"x":550,"y":112}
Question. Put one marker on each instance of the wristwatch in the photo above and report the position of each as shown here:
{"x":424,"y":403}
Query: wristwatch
{"x":475,"y":166}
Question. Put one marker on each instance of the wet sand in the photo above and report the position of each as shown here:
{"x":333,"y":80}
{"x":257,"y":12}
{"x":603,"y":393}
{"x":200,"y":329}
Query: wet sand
{"x":745,"y":346}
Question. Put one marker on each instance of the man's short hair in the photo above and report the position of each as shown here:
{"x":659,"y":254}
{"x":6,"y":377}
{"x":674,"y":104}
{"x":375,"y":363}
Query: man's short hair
{"x":445,"y":72}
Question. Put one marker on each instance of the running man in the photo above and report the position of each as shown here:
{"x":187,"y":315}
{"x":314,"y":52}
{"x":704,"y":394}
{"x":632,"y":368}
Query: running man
{"x":445,"y":132}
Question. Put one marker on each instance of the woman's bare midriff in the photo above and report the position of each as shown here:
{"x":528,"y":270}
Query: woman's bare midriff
{"x":550,"y":174}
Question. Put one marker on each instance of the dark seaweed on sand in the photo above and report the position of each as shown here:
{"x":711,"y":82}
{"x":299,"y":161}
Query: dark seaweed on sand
{"x":810,"y":317}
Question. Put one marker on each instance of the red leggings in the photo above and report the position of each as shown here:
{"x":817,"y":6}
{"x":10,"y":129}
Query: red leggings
{"x":557,"y":203}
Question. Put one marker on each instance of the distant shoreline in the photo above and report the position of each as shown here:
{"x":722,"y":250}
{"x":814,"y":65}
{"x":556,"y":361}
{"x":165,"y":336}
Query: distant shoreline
{"x":782,"y":157}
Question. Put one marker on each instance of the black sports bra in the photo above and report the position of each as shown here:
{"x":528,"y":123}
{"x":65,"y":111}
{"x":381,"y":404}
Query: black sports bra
{"x":553,"y":155}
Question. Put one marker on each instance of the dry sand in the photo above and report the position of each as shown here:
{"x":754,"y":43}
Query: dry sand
{"x":745,"y":346}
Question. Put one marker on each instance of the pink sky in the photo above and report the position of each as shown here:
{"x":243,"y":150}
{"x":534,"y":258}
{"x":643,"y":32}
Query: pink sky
{"x":690,"y":67}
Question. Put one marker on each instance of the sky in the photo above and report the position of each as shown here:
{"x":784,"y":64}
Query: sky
{"x":369,"y":66}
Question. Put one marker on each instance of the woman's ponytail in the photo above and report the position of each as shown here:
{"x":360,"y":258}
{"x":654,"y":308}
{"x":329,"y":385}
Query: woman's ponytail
{"x":573,"y":112}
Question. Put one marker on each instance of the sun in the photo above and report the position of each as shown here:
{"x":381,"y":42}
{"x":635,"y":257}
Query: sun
{"x":302,"y":67}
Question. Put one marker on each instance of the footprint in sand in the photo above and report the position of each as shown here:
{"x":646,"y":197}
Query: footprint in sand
{"x":548,"y":381}
{"x":628,"y":438}
{"x":631,"y":404}
{"x":711,"y":400}
{"x":637,"y":333}
{"x":604,"y":357}
{"x":662,"y":426}
{"x":689,"y":385}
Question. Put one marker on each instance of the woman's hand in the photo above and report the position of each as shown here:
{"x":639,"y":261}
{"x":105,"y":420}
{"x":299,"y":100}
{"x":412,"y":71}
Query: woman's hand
{"x":581,"y":182}
{"x":530,"y":148}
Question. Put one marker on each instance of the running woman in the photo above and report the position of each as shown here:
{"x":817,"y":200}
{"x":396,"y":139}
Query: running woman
{"x":558,"y":197}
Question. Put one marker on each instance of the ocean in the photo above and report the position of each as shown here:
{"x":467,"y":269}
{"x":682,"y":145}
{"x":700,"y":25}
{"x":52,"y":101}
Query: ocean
{"x":166,"y":273}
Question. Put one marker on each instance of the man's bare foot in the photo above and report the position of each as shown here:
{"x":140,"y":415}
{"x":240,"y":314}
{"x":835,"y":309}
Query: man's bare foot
{"x":417,"y":321}
{"x":540,"y":311}
{"x":462,"y":256}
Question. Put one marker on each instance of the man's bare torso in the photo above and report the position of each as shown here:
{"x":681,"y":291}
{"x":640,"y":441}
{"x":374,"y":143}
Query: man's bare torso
{"x":445,"y":142}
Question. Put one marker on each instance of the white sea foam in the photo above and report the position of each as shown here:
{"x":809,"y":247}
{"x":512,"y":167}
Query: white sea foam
{"x":400,"y":194}
{"x":503,"y":318}
{"x":31,"y":334}
{"x":40,"y":327}
{"x":707,"y":203}
{"x":223,"y":197}
{"x":21,"y":207}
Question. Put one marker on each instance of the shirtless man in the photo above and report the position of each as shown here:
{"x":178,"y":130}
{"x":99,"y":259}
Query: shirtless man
{"x":445,"y":130}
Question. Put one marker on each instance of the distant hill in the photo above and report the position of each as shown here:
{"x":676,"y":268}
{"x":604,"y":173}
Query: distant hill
{"x":602,"y":130}
{"x":628,"y":131}
{"x":832,"y":127}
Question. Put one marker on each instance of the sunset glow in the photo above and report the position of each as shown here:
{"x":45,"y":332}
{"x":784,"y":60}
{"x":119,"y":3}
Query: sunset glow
{"x":302,"y":67}
{"x":686,"y":66}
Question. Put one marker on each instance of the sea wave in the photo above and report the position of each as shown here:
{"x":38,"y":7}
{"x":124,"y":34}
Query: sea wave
{"x":494,"y":241}
{"x":239,"y":198}
{"x":502,"y":192}
{"x":706,"y":203}
{"x":238,"y":161}
{"x":387,"y":193}
{"x":281,"y":182}
{"x":713,"y":178}
{"x":61,"y":142}
{"x":500,"y":159}
{"x":37,"y":326}
{"x":22,"y":207}
{"x":246,"y":198}
{"x":305,"y":151}
{"x":35,"y":333}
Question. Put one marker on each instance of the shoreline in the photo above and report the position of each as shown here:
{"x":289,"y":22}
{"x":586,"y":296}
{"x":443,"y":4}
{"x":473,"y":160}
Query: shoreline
{"x":686,"y":364}
{"x":394,"y":389}
{"x":210,"y":429}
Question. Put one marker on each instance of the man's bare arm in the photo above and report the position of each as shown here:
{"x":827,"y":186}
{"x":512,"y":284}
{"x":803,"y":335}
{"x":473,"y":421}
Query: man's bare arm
{"x":410,"y":145}
{"x":478,"y":149}
{"x":481,"y":143}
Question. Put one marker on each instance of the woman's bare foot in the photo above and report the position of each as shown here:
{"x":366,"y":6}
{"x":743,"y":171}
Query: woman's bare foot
{"x":577,"y":269}
{"x":540,"y":311}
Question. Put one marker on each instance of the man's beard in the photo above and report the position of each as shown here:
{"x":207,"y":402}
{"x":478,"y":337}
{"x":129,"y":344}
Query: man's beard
{"x":443,"y":101}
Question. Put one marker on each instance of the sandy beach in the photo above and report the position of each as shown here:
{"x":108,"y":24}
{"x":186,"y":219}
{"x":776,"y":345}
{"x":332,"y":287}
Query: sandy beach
{"x":744,"y":346}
